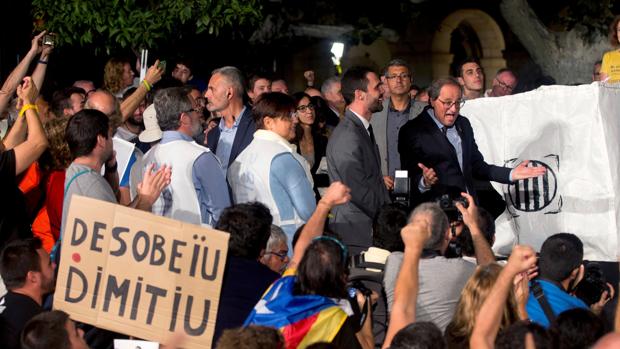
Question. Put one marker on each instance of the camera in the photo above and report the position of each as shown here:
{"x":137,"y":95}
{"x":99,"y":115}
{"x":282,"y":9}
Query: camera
{"x":359,"y":315}
{"x":448,"y":203}
{"x":49,"y":39}
{"x":401,"y":188}
{"x":592,"y":285}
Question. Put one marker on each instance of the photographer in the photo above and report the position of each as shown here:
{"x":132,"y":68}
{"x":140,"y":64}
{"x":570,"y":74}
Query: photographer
{"x":560,"y":266}
{"x":441,"y":279}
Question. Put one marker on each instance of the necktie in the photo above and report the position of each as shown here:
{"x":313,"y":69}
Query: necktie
{"x":372,"y":135}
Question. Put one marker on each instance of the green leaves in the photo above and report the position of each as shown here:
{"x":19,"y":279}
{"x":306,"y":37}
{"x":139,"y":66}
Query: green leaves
{"x":138,"y":23}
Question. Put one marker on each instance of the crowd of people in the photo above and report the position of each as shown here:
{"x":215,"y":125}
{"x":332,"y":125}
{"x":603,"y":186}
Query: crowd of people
{"x":328,"y":248}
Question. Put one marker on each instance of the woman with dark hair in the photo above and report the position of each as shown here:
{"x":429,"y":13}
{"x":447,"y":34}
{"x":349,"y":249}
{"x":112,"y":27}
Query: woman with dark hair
{"x":309,"y":303}
{"x":321,"y":113}
{"x":610,"y":68}
{"x":270,"y":171}
{"x":311,"y":143}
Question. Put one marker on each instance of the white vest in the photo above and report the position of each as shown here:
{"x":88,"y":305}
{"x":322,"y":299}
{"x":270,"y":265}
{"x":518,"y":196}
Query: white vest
{"x":248,"y":175}
{"x":179,"y":200}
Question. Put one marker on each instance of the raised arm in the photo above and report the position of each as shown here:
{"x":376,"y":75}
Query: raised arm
{"x":38,"y":76}
{"x":471,"y":218}
{"x":30,"y":150}
{"x":15,"y":78}
{"x":414,"y":236}
{"x":489,"y":318}
{"x":131,"y":103}
{"x":336,"y":194}
{"x":17,"y":134}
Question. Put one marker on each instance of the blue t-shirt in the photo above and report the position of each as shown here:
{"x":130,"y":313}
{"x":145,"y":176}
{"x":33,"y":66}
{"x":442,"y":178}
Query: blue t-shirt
{"x":559,"y":300}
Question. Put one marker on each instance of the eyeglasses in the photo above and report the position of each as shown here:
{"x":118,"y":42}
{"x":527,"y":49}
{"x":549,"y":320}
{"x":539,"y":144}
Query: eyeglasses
{"x":504,"y":85}
{"x":303,"y":108}
{"x":399,"y":76}
{"x":191,"y":110}
{"x":281,"y":255}
{"x":448,"y":104}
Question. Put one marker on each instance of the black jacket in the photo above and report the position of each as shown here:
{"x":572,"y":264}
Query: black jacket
{"x":421,"y":141}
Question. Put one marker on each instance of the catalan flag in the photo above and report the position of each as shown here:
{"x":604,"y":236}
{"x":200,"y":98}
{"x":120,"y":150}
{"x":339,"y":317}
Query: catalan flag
{"x":302,"y":319}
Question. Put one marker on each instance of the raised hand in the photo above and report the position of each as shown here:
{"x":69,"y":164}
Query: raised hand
{"x":309,"y":76}
{"x":606,"y":296}
{"x":46,"y":51}
{"x":522,"y":259}
{"x":36,"y":45}
{"x":27,"y":91}
{"x":336,"y":194}
{"x":154,"y":73}
{"x":470,"y":214}
{"x":416,"y":233}
{"x":153,"y":183}
{"x":524,"y":172}
{"x":430,"y":177}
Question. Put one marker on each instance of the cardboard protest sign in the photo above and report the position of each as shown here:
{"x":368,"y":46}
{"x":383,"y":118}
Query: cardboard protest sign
{"x":139,"y":274}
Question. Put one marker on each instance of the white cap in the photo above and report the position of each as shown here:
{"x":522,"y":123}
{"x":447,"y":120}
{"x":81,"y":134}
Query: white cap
{"x":152,"y":132}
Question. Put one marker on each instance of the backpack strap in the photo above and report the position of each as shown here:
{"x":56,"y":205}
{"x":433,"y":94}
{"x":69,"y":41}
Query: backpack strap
{"x":54,"y":253}
{"x":542,"y":300}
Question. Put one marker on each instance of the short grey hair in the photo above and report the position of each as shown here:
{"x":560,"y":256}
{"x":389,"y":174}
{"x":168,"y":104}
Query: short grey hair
{"x":234,"y":76}
{"x":439,"y":224}
{"x":327,"y":84}
{"x":169,"y":104}
{"x":397,"y":62}
{"x":276,"y":238}
{"x":435,"y":89}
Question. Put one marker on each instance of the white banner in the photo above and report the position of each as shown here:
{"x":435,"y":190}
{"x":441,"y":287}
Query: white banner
{"x":573,"y":131}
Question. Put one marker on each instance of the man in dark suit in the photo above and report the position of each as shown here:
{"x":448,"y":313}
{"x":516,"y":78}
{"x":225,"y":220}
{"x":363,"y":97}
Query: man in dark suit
{"x":331,"y":91}
{"x":353,"y":158}
{"x":439,"y":150}
{"x":236,"y":129}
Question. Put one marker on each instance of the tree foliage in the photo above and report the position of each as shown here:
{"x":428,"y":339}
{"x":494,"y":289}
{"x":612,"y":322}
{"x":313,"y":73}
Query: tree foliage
{"x":593,"y":16}
{"x":367,"y":25}
{"x":139,"y":23}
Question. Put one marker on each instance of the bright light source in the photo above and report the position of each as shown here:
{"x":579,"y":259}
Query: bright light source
{"x":337,"y":50}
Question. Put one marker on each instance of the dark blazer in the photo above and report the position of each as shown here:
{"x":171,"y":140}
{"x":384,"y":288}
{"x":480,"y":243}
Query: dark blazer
{"x":243,"y":137}
{"x":353,"y":160}
{"x":421,"y":141}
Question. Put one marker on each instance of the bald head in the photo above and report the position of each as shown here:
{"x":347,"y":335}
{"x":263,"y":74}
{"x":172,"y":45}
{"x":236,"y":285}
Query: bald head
{"x":504,"y":83}
{"x":608,"y":341}
{"x":312,"y":92}
{"x":103,"y":101}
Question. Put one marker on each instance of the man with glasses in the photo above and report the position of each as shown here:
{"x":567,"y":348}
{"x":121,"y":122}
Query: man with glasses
{"x":198,"y":192}
{"x":397,"y":110}
{"x":439,"y":150}
{"x":275,"y":256}
{"x":504,"y":83}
